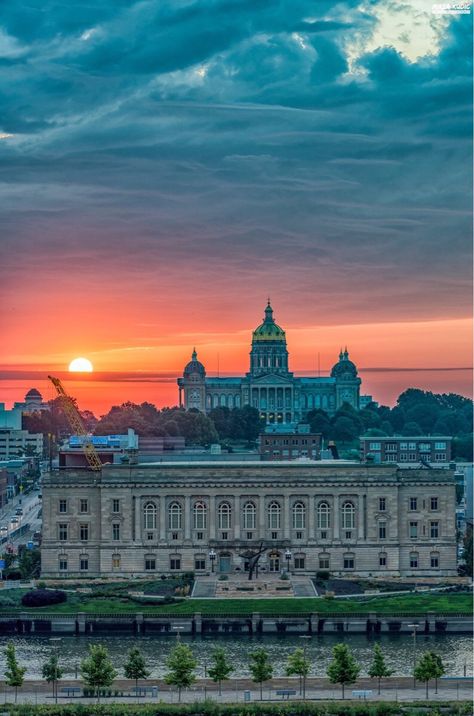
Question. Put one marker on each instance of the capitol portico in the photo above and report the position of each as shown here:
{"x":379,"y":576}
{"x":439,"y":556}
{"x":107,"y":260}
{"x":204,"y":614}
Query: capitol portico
{"x":269,"y":385}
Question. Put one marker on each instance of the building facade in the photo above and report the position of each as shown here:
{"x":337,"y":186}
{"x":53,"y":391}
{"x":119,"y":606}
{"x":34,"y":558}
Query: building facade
{"x":372,"y":520}
{"x":269,"y":385}
{"x":16,"y":443}
{"x":432,"y":449}
{"x":277,"y":444}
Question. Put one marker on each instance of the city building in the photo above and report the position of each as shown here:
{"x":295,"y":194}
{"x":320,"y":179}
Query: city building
{"x":110,"y":448}
{"x":16,"y":443}
{"x":276,"y":443}
{"x":406,"y":450}
{"x":3,"y":487}
{"x":269,"y":385}
{"x":348,"y":518}
{"x":33,"y":402}
{"x":10,"y":419}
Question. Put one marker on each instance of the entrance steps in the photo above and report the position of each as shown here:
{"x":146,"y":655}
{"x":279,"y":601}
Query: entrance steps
{"x":204,"y":588}
{"x":303,"y":586}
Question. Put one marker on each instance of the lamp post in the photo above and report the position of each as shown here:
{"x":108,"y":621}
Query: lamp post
{"x":305,"y":637}
{"x":212,"y":557}
{"x":288,"y":557}
{"x":55,"y":645}
{"x":415,"y":627}
{"x":178,"y":630}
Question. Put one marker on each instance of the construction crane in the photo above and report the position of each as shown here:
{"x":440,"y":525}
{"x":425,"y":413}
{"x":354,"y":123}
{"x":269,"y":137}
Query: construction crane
{"x":76,"y":423}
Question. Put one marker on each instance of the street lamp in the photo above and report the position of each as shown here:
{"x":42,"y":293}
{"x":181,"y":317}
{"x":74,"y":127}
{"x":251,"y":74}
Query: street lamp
{"x":212,"y":557}
{"x":178,"y":630}
{"x":305,"y":637}
{"x":288,"y":557}
{"x":414,"y":627}
{"x":55,"y":645}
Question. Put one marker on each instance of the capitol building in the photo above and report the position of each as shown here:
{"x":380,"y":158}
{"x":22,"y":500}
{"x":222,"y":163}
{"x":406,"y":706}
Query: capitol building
{"x":269,"y":385}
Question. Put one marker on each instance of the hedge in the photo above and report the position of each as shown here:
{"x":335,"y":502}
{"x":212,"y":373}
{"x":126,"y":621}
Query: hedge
{"x":43,"y":597}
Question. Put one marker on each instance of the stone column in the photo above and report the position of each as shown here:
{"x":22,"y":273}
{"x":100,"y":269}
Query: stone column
{"x":286,"y":517}
{"x":360,"y":518}
{"x":136,"y":519}
{"x":237,"y":517}
{"x":311,"y":521}
{"x":336,"y":516}
{"x":212,"y":517}
{"x":187,"y":517}
{"x":262,"y":525}
{"x":162,"y":516}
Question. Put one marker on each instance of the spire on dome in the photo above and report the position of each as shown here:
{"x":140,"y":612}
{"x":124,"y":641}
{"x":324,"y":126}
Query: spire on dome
{"x":194,"y":354}
{"x":269,"y":312}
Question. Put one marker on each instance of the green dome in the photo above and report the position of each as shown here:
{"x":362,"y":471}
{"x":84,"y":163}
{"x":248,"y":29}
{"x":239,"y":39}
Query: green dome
{"x":269,"y":330}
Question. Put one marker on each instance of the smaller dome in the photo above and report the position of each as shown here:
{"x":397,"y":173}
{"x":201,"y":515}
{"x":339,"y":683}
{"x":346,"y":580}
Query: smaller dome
{"x":194,"y":366}
{"x":33,"y":393}
{"x":269,"y":330}
{"x":345,"y":368}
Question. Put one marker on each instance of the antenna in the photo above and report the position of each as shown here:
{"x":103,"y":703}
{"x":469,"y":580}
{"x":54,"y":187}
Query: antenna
{"x":319,"y":365}
{"x":218,"y":365}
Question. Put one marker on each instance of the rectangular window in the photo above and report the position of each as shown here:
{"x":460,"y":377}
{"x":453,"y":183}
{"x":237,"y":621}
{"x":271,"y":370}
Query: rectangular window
{"x":324,"y":563}
{"x":374,"y":446}
{"x":413,"y":503}
{"x":382,"y":530}
{"x":412,"y":446}
{"x":115,"y":505}
{"x":175,"y":563}
{"x":434,"y":530}
{"x":424,"y":447}
{"x":63,"y":564}
{"x":440,"y":457}
{"x":299,"y":535}
{"x":440,"y":446}
{"x":403,"y":457}
{"x":199,"y":564}
{"x":150,"y":564}
{"x":403,"y":446}
{"x":434,"y":561}
{"x":84,"y":533}
{"x":324,"y":534}
{"x":84,"y":506}
{"x":199,"y":535}
{"x":413,"y":532}
{"x":412,"y":456}
{"x":414,"y":560}
{"x":382,"y":560}
{"x":149,"y":536}
{"x":274,"y":535}
{"x":348,"y":562}
{"x":115,"y":532}
{"x":84,"y":563}
{"x":299,"y":562}
{"x":348,"y":535}
{"x":382,"y":504}
{"x":174,"y":535}
{"x":434,"y":504}
{"x":62,"y":531}
{"x":249,"y":535}
{"x":116,"y":561}
{"x":62,"y":506}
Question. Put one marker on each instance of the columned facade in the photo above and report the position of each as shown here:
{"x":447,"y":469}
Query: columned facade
{"x":343,"y":518}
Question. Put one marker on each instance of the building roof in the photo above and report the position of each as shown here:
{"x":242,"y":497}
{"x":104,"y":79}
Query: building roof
{"x":269,"y":330}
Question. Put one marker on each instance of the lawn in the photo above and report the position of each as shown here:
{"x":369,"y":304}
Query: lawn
{"x":445,"y":603}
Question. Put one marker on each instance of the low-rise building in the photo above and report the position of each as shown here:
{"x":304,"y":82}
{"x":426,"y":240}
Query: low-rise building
{"x":277,"y":444}
{"x":16,"y":443}
{"x":350,"y":519}
{"x":406,"y":450}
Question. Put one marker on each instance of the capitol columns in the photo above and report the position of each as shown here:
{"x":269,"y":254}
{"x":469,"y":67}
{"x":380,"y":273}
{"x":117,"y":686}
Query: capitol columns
{"x":336,"y":517}
{"x":237,"y":517}
{"x":187,"y":517}
{"x":286,"y":517}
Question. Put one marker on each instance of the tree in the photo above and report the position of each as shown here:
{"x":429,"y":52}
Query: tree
{"x":253,"y":556}
{"x":14,"y":674}
{"x":428,"y":667}
{"x":343,"y":669}
{"x":97,"y":669}
{"x":378,"y":668}
{"x":468,"y":555}
{"x":135,"y":666}
{"x":260,"y":668}
{"x":345,"y":429}
{"x":320,"y":423}
{"x":221,"y":668}
{"x":439,"y":669}
{"x":29,"y":563}
{"x":52,"y":673}
{"x":181,"y":664}
{"x":298,"y":665}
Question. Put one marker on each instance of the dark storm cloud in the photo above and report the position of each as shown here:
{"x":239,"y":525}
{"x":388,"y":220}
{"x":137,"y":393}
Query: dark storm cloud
{"x":230,"y":141}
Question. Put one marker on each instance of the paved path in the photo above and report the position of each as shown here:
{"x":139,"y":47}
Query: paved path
{"x":204,"y":588}
{"x":303,"y":586}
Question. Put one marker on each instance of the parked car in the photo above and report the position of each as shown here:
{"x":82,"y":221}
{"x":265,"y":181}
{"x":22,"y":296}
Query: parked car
{"x":14,"y":520}
{"x":19,"y":511}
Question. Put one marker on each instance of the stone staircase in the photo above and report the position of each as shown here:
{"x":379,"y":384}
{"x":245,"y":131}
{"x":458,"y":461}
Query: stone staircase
{"x":303,"y":586}
{"x":204,"y":588}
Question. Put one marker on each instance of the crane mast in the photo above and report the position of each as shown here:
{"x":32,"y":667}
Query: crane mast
{"x":76,"y":423}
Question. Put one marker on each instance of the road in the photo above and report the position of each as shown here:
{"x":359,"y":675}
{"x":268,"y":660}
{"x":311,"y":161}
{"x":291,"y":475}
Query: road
{"x":31,"y":506}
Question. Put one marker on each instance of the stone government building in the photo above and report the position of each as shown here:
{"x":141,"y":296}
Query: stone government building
{"x":269,"y":386}
{"x":347,"y":518}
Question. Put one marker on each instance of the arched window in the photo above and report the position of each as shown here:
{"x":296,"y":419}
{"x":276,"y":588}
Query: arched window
{"x":200,"y":516}
{"x":299,"y":516}
{"x":175,"y":513}
{"x":274,"y":515}
{"x":249,"y":514}
{"x":149,"y":516}
{"x":348,"y":516}
{"x":324,"y":516}
{"x":224,"y":514}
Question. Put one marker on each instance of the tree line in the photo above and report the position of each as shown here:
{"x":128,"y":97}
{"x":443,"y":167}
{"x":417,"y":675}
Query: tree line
{"x":98,"y":672}
{"x":416,"y":412}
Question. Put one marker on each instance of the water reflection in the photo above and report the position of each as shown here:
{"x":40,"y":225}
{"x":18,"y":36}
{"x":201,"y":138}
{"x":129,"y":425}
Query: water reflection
{"x":455,"y":650}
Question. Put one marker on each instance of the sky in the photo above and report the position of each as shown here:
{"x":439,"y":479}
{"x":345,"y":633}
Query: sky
{"x":166,"y":166}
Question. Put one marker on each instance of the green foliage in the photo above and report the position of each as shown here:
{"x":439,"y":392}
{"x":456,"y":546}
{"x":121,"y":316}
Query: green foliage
{"x":429,"y":666}
{"x":51,"y":670}
{"x":343,"y":669}
{"x":29,"y":563}
{"x":468,"y":556}
{"x":260,"y":667}
{"x":298,"y":665}
{"x":378,"y":668}
{"x":221,"y":668}
{"x":14,"y":673}
{"x":135,"y":666}
{"x":97,"y":669}
{"x":182,"y":665}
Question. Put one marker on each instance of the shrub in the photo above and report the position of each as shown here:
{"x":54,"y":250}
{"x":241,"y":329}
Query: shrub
{"x":323,"y":575}
{"x":43,"y":597}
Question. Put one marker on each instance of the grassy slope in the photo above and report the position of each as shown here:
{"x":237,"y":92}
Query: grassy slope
{"x":450,"y":603}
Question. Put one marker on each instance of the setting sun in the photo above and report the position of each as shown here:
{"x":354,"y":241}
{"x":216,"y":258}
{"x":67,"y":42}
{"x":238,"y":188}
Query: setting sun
{"x":80,"y":365}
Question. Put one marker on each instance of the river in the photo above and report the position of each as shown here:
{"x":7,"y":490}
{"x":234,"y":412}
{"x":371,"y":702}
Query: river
{"x":32,"y":651}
